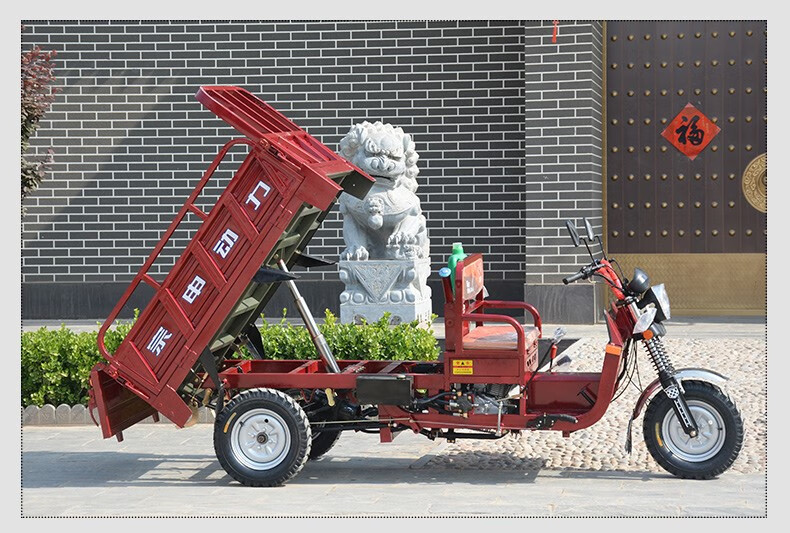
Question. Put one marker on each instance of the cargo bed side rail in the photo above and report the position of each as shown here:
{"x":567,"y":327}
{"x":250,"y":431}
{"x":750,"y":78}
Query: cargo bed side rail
{"x":142,"y":274}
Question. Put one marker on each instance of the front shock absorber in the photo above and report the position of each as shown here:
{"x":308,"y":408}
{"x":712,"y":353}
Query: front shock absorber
{"x":660,"y":359}
{"x":666,"y":374}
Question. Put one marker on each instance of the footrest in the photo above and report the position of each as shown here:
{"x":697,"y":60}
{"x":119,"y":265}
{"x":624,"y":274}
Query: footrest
{"x":547,"y":421}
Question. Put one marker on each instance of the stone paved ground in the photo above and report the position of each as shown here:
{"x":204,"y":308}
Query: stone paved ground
{"x":160,"y":470}
{"x":601,"y":447}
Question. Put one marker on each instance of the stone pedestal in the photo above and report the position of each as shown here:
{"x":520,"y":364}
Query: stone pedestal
{"x":376,"y":286}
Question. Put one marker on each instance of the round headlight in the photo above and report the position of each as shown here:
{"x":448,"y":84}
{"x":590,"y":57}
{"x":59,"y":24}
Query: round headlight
{"x":640,"y":282}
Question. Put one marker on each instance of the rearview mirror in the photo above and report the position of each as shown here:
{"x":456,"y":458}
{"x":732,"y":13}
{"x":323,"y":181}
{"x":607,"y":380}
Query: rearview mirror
{"x":572,"y":231}
{"x":590,"y":233}
{"x":559,"y":333}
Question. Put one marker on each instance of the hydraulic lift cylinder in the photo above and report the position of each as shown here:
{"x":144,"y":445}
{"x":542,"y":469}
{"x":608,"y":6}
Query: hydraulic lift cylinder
{"x":312,"y":327}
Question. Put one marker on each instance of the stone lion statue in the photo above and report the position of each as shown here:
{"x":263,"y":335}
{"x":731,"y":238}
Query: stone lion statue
{"x":388,"y":223}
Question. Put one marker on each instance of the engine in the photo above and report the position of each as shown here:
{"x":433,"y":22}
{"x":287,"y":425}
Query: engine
{"x":488,"y":399}
{"x":469,"y":399}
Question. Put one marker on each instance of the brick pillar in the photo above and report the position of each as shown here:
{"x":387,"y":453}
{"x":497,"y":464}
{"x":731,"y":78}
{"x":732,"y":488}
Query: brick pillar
{"x":563,"y":162}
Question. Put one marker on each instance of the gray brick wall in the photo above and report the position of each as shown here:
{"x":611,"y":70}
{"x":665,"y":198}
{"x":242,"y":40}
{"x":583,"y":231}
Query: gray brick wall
{"x":563,"y":88}
{"x":130,"y":140}
{"x":508,"y":126}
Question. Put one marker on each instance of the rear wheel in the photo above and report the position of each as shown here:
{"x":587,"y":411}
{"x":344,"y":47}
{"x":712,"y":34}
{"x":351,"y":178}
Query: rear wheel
{"x":323,"y":442}
{"x":716,"y":446}
{"x":262,"y":438}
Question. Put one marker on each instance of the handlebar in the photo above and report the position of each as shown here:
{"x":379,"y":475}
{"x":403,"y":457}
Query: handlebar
{"x":584,"y":273}
{"x":574,"y":277}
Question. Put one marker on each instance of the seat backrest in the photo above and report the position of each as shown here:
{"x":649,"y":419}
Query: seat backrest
{"x":469,"y":279}
{"x":466,"y":298}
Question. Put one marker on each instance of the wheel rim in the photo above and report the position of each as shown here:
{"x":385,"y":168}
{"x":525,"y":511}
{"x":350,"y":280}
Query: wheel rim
{"x":706,"y":444}
{"x":260,"y":440}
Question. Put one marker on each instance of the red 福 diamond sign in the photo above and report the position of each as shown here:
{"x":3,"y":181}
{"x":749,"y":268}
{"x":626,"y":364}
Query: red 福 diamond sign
{"x":690,"y":131}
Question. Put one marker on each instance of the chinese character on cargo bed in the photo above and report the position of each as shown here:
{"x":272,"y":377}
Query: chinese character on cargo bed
{"x":194,"y":289}
{"x":158,"y":342}
{"x":225,"y":243}
{"x":253,"y":199}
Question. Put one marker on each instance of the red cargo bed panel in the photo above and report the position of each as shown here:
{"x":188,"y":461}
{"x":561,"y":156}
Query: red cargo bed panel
{"x":248,"y":114}
{"x":285,"y":169}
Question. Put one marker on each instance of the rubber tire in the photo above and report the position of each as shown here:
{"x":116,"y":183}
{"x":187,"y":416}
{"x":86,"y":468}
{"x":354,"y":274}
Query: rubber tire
{"x":733,"y":440}
{"x":296,"y":421}
{"x":323,"y":442}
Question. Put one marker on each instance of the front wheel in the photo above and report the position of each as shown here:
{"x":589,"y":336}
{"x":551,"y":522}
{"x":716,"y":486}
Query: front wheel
{"x":716,"y":446}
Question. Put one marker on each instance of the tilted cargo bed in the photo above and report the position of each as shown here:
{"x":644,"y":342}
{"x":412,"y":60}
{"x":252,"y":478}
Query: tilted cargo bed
{"x":272,"y":206}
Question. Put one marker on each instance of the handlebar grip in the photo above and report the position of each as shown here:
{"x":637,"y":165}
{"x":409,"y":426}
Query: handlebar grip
{"x":574,"y":277}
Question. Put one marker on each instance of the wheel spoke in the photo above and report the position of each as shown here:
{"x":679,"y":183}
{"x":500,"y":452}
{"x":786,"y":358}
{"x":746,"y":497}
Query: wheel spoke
{"x":706,"y":444}
{"x":260,"y":440}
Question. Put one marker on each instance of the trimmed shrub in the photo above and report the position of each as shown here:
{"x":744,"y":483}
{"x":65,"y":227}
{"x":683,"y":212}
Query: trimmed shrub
{"x":373,"y":341}
{"x":56,"y":364}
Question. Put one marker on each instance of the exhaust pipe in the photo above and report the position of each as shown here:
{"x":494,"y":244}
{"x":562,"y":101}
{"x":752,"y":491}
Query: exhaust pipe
{"x":312,"y":327}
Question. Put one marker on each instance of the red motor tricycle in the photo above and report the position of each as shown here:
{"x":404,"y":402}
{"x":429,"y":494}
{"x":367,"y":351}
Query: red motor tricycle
{"x":274,"y":415}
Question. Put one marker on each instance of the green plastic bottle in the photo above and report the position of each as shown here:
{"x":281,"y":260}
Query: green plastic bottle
{"x":456,"y":255}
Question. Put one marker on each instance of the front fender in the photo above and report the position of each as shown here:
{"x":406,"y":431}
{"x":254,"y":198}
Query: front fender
{"x":681,"y":375}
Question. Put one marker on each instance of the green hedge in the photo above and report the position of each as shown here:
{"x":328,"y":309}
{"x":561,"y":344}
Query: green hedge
{"x":56,"y":363}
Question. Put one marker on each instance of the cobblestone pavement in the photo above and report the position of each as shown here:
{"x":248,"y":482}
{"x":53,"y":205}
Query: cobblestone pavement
{"x":601,"y":446}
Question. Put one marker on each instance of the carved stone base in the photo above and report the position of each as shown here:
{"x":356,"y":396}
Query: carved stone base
{"x":376,"y":286}
{"x":402,"y":313}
